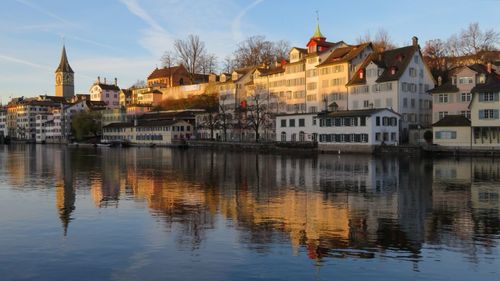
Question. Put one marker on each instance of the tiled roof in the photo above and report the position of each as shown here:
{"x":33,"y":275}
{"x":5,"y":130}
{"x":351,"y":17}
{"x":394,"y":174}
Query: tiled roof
{"x":166,"y":71}
{"x":453,"y":121}
{"x":344,"y":54}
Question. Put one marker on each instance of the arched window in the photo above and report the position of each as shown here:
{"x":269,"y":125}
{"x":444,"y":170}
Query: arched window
{"x":302,"y":136}
{"x":283,"y":136}
{"x":294,"y":137}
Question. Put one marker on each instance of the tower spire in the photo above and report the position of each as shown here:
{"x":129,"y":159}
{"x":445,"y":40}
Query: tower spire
{"x":317,"y":32}
{"x":64,"y":64}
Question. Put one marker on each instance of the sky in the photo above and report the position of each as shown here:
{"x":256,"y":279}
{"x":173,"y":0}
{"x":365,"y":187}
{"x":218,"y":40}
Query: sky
{"x":126,"y":38}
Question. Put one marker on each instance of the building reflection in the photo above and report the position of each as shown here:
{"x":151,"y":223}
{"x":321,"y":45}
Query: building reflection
{"x":323,"y":206}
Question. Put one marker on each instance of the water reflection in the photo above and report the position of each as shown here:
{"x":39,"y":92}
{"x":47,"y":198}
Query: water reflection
{"x":324,"y":206}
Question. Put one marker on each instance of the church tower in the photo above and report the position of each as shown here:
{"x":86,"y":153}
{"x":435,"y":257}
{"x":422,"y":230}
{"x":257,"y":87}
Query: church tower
{"x":65,"y":86}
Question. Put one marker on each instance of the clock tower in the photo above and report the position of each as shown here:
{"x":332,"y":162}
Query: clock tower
{"x":65,"y":86}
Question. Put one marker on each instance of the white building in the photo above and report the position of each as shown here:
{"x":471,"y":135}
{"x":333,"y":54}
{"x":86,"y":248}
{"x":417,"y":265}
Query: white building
{"x":108,"y":93}
{"x":349,"y":130}
{"x":397,"y":79}
{"x":3,"y":122}
{"x":157,"y":132}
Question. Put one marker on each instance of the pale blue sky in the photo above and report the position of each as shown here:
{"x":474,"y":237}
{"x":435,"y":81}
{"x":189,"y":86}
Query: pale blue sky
{"x":125,"y":38}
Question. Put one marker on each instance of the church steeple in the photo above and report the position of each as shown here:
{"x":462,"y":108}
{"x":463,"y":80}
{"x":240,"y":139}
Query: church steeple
{"x":64,"y":77}
{"x":64,"y":64}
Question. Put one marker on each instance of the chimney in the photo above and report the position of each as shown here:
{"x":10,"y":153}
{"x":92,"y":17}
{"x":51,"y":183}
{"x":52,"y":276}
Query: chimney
{"x":489,"y":67}
{"x":116,"y":81}
{"x":99,"y":79}
{"x":415,"y":41}
{"x":440,"y":80}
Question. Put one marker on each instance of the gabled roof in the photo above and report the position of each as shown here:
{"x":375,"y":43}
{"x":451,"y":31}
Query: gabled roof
{"x":108,"y":87}
{"x":166,"y":71}
{"x":453,"y":121}
{"x":344,"y":54}
{"x":64,"y":64}
{"x":396,"y":60}
{"x":492,"y":84}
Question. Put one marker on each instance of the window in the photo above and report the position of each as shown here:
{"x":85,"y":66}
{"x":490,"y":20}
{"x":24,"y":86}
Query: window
{"x":442,"y":114}
{"x":393,"y":136}
{"x":302,"y":122}
{"x":366,"y":103}
{"x":465,"y":113}
{"x":446,"y":135}
{"x":291,"y":122}
{"x":283,"y":136}
{"x":465,"y":80}
{"x":378,"y":137}
{"x":377,"y":121}
{"x":363,"y":121}
{"x":487,"y":97}
{"x":405,"y":102}
{"x":464,"y":97}
{"x":283,"y":123}
{"x":488,"y":114}
{"x":412,"y":103}
{"x":302,"y":136}
{"x":443,"y":98}
{"x":413,"y":72}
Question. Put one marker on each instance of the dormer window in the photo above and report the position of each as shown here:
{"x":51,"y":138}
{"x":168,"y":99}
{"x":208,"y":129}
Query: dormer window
{"x":393,"y":70}
{"x":361,"y":74}
{"x":482,"y":79}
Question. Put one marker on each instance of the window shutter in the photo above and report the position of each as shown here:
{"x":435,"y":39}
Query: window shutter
{"x":495,"y":113}
{"x":481,"y":97}
{"x":481,"y":112}
{"x":495,"y":96}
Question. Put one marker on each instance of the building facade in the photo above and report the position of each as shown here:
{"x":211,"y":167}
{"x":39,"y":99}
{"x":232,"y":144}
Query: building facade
{"x":397,"y":79}
{"x":107,"y":93}
{"x":352,"y":130}
{"x":454,"y":97}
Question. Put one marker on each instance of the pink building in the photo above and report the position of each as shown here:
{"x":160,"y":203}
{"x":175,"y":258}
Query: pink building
{"x":108,"y":93}
{"x":454,"y":97}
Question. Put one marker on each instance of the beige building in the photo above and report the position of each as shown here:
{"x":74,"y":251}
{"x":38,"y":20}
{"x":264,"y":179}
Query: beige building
{"x":452,"y":131}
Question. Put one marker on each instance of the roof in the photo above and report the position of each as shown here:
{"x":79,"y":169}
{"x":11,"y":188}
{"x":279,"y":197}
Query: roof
{"x":453,"y":121}
{"x":95,"y":104}
{"x":64,"y":64}
{"x":445,"y":88}
{"x":479,"y":68}
{"x":108,"y":87}
{"x":352,"y":113}
{"x":396,"y":60}
{"x":317,"y":32}
{"x":270,"y":71}
{"x":492,"y":84}
{"x":166,"y":71}
{"x":53,"y":99}
{"x":144,"y":123}
{"x":168,"y":115}
{"x":344,"y":54}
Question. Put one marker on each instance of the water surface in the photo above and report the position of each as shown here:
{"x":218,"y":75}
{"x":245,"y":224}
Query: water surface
{"x":163,"y":214}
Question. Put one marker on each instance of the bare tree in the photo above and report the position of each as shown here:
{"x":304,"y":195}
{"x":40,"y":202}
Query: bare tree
{"x":435,"y":51}
{"x":228,"y":64}
{"x":257,"y":114}
{"x":208,"y":63}
{"x":190,"y":53}
{"x":473,"y":39}
{"x":168,"y":59}
{"x":139,"y":84}
{"x":381,"y":41}
{"x":223,"y":118}
{"x":256,"y":50}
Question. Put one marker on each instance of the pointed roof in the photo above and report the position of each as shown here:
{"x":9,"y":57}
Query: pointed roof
{"x":64,"y":64}
{"x":317,"y":32}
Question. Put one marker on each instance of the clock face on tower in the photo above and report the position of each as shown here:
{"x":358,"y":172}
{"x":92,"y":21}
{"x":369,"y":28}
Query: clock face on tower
{"x":68,"y":78}
{"x":58,"y":79}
